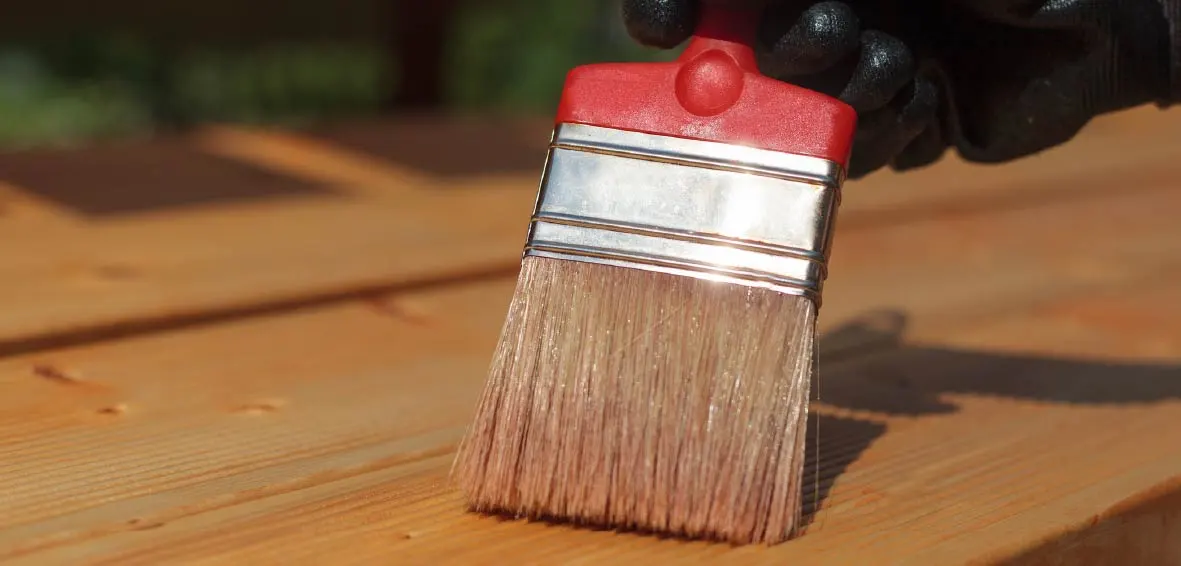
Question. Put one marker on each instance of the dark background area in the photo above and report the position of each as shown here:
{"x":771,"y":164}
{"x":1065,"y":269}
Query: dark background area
{"x":73,"y":72}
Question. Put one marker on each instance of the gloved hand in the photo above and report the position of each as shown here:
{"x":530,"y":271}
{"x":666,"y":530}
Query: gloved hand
{"x":996,"y":79}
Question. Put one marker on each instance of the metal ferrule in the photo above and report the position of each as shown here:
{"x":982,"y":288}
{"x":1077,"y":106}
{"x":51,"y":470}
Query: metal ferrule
{"x":699,"y":209}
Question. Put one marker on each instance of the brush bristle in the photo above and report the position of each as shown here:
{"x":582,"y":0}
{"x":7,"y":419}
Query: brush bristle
{"x":645,"y":401}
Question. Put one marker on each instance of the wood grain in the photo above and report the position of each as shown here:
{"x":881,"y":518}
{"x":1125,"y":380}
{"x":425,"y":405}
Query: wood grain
{"x":199,"y":408}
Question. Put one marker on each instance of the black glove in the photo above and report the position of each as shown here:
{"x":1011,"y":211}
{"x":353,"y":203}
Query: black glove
{"x":996,"y":79}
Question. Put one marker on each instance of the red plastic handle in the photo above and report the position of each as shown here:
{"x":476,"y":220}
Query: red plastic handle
{"x":712,"y":92}
{"x":729,"y":30}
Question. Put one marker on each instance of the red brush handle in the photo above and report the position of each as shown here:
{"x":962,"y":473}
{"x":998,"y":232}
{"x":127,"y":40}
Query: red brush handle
{"x":712,"y":92}
{"x":728,"y":30}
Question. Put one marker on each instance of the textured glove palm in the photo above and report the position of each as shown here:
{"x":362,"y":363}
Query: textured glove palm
{"x":996,"y":79}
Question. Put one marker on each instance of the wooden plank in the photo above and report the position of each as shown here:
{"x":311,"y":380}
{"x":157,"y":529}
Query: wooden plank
{"x":1085,"y":170}
{"x":967,"y":264}
{"x":108,"y":274}
{"x":177,"y":418}
{"x":370,"y":222}
{"x":1122,"y":143}
{"x":377,"y":156}
{"x":86,"y":273}
{"x":1113,"y":145}
{"x":1112,"y":362}
{"x":324,"y":435}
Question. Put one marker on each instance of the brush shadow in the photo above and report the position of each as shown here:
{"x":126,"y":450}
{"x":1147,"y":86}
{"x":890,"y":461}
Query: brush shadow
{"x":866,"y":366}
{"x":552,"y":521}
{"x":555,"y":522}
{"x":841,"y":442}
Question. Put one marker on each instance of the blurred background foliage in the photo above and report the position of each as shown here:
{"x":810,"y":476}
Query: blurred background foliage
{"x":65,"y":82}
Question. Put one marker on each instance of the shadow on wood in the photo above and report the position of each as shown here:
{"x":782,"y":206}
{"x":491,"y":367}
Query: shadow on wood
{"x":841,"y":442}
{"x":866,"y":366}
{"x":870,"y":368}
{"x":144,"y":176}
{"x":446,"y":146}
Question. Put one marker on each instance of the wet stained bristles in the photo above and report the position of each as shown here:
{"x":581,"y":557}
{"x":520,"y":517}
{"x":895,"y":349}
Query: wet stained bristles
{"x":637,"y":400}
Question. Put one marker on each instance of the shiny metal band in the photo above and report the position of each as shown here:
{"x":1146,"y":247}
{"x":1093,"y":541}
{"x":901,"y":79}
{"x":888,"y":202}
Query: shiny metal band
{"x":687,"y":207}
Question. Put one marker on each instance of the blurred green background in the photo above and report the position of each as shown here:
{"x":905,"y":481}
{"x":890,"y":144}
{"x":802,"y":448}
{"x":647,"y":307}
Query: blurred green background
{"x":132,"y":68}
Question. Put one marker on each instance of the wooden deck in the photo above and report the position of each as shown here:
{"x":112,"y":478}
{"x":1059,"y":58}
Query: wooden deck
{"x":252,"y":347}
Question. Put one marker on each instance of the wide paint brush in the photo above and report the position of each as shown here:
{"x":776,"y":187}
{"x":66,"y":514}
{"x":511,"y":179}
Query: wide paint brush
{"x":654,"y":369}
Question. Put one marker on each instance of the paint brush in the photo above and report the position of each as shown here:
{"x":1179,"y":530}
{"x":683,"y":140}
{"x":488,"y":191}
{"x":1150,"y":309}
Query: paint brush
{"x":654,"y":368}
